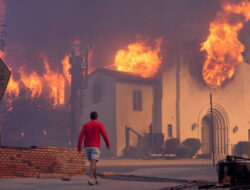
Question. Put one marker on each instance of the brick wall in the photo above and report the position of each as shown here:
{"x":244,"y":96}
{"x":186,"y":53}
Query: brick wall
{"x":29,"y":162}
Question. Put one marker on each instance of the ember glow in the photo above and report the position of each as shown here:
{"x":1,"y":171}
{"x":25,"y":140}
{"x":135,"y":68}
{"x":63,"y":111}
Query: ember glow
{"x":139,"y":59}
{"x":223,"y":49}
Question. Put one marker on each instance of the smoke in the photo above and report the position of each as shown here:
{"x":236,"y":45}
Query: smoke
{"x":3,"y":33}
{"x":51,"y":26}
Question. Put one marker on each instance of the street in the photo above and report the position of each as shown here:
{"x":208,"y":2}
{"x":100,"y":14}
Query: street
{"x":199,"y":170}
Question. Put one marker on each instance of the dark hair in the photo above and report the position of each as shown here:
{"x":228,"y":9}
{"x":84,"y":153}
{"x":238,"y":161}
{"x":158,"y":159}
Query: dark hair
{"x":93,"y":115}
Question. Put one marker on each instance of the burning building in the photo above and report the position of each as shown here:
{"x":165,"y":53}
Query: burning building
{"x":182,"y":103}
{"x":121,"y":99}
{"x":165,"y":90}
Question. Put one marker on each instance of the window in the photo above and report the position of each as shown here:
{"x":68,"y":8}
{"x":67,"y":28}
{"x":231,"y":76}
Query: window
{"x":170,"y":131}
{"x":137,"y":100}
{"x":97,"y":93}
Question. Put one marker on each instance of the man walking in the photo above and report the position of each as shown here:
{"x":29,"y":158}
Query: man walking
{"x":91,"y":131}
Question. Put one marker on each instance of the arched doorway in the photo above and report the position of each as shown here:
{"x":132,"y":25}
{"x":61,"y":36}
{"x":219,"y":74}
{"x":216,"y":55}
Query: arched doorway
{"x":219,"y":133}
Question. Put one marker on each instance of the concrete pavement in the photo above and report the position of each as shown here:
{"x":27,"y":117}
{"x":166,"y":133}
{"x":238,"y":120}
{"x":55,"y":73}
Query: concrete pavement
{"x":177,"y":169}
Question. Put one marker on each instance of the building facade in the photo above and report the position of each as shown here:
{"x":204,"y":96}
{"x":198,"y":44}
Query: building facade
{"x":121,"y":100}
{"x":186,"y":108}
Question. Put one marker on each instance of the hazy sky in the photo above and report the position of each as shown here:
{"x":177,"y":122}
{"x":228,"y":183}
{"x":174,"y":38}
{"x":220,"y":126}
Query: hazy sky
{"x":50,"y":26}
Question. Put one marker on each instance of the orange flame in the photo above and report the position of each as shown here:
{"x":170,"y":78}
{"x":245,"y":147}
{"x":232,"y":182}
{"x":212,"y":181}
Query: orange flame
{"x":139,"y":59}
{"x":13,"y":87}
{"x":222,"y":46}
{"x":55,"y":82}
{"x":50,"y":81}
{"x":66,"y":68}
{"x":32,"y":81}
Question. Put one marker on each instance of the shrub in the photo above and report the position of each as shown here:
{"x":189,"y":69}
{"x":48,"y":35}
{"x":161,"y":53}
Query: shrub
{"x":158,"y":142}
{"x":243,"y":147}
{"x":194,"y":144}
{"x":131,"y":152}
{"x":171,"y":145}
{"x":183,"y":151}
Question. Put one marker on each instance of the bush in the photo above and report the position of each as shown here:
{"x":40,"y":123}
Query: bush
{"x":131,"y":152}
{"x":243,"y":147}
{"x":157,"y":142}
{"x":194,"y":144}
{"x":183,"y":151}
{"x":171,"y":145}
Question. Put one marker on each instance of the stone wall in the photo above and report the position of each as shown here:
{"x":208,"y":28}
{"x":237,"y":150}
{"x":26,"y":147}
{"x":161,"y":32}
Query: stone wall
{"x":29,"y":162}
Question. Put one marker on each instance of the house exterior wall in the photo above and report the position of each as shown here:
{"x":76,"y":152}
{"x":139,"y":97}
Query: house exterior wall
{"x":106,"y":108}
{"x":126,"y":116}
{"x":169,"y":101}
{"x":233,"y":97}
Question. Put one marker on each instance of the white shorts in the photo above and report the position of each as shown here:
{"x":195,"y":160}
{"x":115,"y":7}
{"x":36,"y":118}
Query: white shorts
{"x":92,"y":153}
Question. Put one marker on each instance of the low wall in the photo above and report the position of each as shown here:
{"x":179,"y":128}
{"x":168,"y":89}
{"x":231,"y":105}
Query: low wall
{"x":29,"y":162}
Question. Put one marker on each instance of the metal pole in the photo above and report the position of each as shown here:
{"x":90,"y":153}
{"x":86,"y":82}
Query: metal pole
{"x":151,"y":137}
{"x":127,"y":137}
{"x":212,"y":124}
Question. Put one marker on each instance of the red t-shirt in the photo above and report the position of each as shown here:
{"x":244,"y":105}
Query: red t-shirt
{"x":91,"y":131}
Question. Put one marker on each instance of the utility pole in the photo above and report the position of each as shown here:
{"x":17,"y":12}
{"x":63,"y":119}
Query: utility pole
{"x":212,"y":124}
{"x":79,"y":81}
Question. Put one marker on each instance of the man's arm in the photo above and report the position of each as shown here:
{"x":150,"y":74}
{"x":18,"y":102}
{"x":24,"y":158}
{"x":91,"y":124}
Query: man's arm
{"x":104,"y":135}
{"x":81,"y":139}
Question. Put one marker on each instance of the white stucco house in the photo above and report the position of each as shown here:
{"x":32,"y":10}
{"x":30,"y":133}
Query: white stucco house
{"x":121,"y":99}
{"x":186,"y":108}
{"x":177,"y":105}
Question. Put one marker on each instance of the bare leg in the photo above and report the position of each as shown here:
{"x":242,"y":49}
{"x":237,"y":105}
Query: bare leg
{"x":92,"y":168}
{"x":95,"y":175}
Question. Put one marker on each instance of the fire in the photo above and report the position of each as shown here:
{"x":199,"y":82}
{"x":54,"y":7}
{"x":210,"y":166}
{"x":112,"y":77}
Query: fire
{"x":223,"y":49}
{"x":139,"y":59}
{"x":55,"y":82}
{"x":32,"y":81}
{"x":50,"y":82}
{"x":13,"y":87}
{"x":66,"y":68}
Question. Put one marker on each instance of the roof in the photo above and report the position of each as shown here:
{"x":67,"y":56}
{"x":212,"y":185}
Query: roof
{"x":126,"y":77}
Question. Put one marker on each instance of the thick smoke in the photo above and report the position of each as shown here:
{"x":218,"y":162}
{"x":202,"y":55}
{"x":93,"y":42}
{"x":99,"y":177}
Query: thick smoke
{"x":3,"y":32}
{"x":51,"y":26}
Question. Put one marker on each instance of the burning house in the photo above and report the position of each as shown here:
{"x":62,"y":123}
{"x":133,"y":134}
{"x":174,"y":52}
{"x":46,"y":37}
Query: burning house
{"x":156,"y":89}
{"x":121,"y":99}
{"x":183,"y":104}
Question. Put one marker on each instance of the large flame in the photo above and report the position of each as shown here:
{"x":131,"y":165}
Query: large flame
{"x":50,"y":83}
{"x":223,"y":49}
{"x":56,"y":83}
{"x":139,"y":59}
{"x":32,"y":81}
